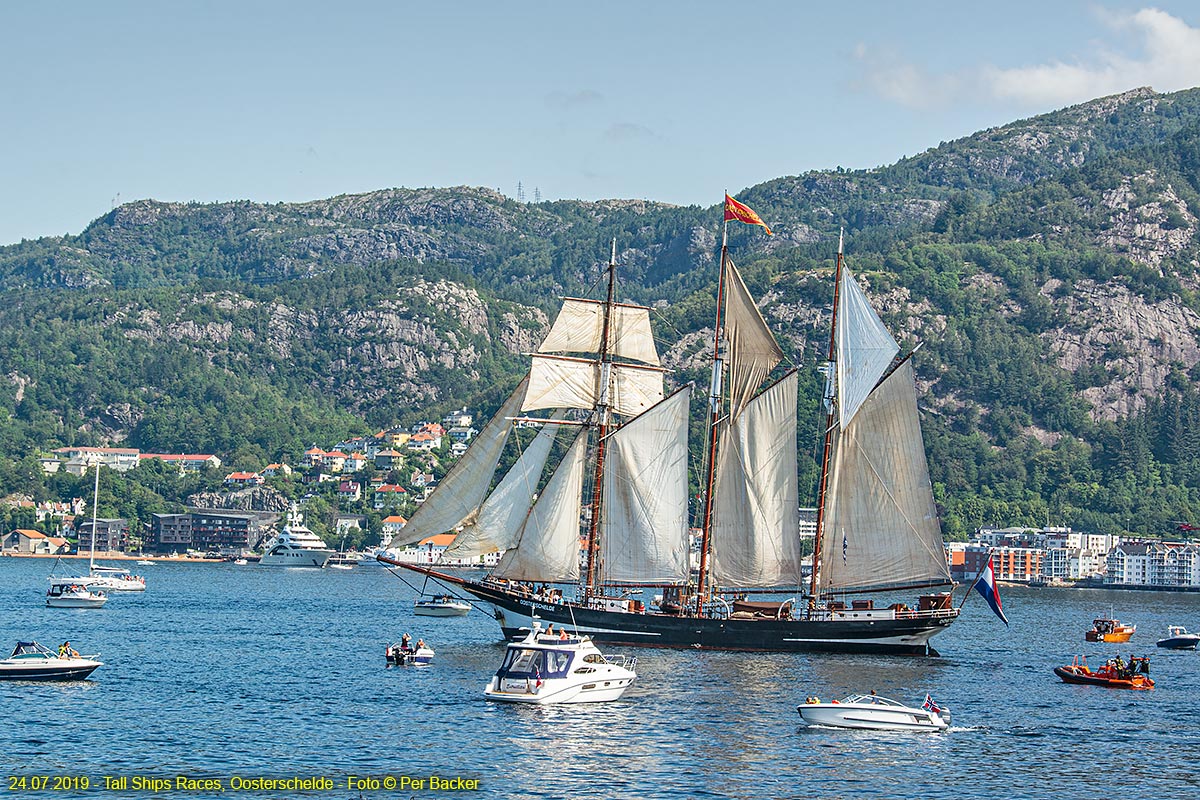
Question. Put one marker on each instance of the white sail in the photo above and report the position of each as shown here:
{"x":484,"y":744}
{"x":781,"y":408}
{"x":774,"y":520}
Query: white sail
{"x":753,"y":351}
{"x":645,"y":527}
{"x":497,"y":526}
{"x":463,"y":488}
{"x":865,"y":349}
{"x":548,"y":548}
{"x":756,"y":527}
{"x":880,"y":524}
{"x":580,"y":325}
{"x":560,"y":382}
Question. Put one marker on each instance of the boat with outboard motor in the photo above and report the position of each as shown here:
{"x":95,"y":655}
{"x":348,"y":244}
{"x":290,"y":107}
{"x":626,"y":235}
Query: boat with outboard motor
{"x":545,"y":667}
{"x":872,"y":712}
{"x":31,"y":661}
{"x":441,"y":606}
{"x":877,"y":523}
{"x":1179,"y":639}
{"x":403,"y":654}
{"x":69,"y":593}
{"x":1115,"y":674}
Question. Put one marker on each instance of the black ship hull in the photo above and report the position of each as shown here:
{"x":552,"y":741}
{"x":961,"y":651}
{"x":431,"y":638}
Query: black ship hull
{"x":866,"y":632}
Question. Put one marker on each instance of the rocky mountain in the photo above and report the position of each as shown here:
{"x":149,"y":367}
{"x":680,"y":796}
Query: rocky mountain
{"x":1049,"y":267}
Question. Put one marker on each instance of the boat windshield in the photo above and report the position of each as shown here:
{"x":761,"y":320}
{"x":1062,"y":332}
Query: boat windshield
{"x":30,"y":649}
{"x":870,"y":699}
{"x":527,"y":662}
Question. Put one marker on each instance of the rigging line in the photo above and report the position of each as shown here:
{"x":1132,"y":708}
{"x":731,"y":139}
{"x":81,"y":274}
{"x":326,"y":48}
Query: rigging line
{"x":453,"y":590}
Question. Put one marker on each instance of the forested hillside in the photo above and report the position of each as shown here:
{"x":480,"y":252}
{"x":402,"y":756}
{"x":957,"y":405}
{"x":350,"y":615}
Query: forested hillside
{"x":1049,"y":268}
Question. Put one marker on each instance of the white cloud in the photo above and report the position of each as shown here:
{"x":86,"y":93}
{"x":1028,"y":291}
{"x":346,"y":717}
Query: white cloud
{"x":1165,"y":54}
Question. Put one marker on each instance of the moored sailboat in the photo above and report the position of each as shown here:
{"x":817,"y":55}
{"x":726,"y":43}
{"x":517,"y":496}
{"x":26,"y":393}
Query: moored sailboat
{"x":628,"y":460}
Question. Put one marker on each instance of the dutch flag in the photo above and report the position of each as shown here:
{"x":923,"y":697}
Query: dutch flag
{"x":985,"y":584}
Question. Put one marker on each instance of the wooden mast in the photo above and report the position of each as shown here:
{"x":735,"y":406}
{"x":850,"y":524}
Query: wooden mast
{"x":714,"y":416}
{"x":603,"y":419}
{"x":830,"y":394}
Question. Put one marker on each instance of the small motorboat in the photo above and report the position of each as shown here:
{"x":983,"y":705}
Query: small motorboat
{"x":241,"y":562}
{"x":31,"y":661}
{"x":1179,"y":639}
{"x":546,"y":667}
{"x":71,"y":594}
{"x":875,"y":713}
{"x":403,"y":654}
{"x":1115,"y":674}
{"x":441,"y":606}
{"x":1109,"y":630}
{"x":144,"y":563}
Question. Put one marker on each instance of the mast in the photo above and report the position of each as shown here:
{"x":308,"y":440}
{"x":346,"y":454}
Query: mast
{"x":714,"y":416}
{"x":830,"y":393}
{"x":603,"y":419}
{"x":95,"y":505}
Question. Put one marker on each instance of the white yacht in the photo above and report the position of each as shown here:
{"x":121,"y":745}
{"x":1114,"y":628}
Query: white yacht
{"x":69,"y":593}
{"x":547,"y":667}
{"x":871,"y":712}
{"x":115,"y":579}
{"x":296,"y":546}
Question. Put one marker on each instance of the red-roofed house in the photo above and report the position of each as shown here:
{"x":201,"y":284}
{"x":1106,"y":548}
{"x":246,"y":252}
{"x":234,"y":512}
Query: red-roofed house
{"x":350,"y":490}
{"x":312,"y":456}
{"x":31,"y":541}
{"x":244,"y":479}
{"x":389,"y":494}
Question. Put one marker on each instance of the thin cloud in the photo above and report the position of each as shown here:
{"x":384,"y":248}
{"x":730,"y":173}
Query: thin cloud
{"x":1165,"y":54}
{"x":568,"y":101}
{"x":628,"y":132}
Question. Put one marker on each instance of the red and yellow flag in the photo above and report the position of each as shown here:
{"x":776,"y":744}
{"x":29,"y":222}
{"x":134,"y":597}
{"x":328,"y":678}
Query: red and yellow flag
{"x":743,"y":213}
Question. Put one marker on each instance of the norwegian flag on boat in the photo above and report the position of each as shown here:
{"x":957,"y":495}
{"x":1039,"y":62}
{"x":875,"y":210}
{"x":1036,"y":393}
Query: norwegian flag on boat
{"x":931,"y":706}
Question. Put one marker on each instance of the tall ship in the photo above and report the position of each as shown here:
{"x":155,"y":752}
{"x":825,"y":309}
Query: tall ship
{"x":295,"y":546}
{"x":603,"y":546}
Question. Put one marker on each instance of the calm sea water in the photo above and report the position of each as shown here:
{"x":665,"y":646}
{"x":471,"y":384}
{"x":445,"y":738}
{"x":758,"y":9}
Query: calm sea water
{"x":219,"y":670}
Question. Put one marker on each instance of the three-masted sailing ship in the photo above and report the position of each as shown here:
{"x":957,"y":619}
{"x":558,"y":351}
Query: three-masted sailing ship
{"x":610,"y":526}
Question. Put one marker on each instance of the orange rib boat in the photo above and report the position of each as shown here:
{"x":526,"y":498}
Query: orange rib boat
{"x":1115,"y":674}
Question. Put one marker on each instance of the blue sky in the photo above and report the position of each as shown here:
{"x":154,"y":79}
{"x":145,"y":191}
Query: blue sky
{"x":674,"y":101}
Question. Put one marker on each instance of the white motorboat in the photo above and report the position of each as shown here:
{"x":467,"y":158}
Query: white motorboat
{"x":1179,"y":639}
{"x":546,"y":667}
{"x":144,"y":563}
{"x":441,"y":606}
{"x":31,"y":661}
{"x":241,"y":562}
{"x":871,"y":712}
{"x":296,"y":546}
{"x":69,"y":593}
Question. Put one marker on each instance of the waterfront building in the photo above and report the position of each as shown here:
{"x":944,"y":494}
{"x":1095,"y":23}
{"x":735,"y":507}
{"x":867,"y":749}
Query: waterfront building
{"x":390,"y":527}
{"x":222,"y":531}
{"x":33,"y":542}
{"x":111,"y":535}
{"x":1154,"y":564}
{"x":170,"y":533}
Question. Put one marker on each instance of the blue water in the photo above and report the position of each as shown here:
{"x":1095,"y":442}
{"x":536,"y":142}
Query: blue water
{"x":219,"y":670}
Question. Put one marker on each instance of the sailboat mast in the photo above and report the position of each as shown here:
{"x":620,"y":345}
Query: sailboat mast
{"x":830,"y":388}
{"x":603,"y":418}
{"x":714,"y":415}
{"x":95,"y":508}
